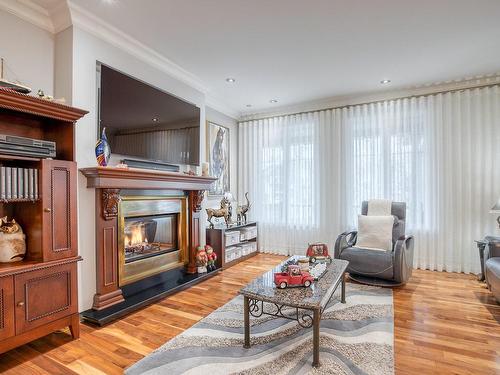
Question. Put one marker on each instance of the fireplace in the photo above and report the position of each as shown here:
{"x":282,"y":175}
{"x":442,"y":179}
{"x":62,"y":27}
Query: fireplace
{"x":148,"y":226}
{"x":152,"y":236}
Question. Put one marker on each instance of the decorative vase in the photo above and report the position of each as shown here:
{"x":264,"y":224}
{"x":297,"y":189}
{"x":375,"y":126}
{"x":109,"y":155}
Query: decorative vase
{"x":102,"y":150}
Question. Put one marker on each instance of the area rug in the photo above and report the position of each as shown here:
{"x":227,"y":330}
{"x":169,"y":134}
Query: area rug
{"x":355,"y":338}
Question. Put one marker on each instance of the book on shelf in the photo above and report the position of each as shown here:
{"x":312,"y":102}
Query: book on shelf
{"x":2,"y":183}
{"x":13,"y":180}
{"x":31,"y":186}
{"x":26,"y":183}
{"x":8,"y":183}
{"x":35,"y":178}
{"x":18,"y":183}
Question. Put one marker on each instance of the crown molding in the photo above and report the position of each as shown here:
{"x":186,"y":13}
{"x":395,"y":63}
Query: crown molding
{"x":92,"y":24}
{"x":215,"y":103}
{"x":60,"y":15}
{"x":30,"y":12}
{"x":345,"y":100}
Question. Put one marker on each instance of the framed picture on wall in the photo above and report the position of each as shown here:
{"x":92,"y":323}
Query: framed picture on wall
{"x":218,"y":157}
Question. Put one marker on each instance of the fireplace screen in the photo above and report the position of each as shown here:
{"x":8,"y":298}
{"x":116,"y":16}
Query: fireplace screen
{"x":149,"y":236}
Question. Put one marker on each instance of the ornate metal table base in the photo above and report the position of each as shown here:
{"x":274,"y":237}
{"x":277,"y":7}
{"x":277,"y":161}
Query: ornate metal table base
{"x":306,"y":318}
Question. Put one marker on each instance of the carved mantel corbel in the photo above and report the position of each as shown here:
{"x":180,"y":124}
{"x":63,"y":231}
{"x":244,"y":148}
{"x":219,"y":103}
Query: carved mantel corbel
{"x":110,"y":200}
{"x":197,"y":199}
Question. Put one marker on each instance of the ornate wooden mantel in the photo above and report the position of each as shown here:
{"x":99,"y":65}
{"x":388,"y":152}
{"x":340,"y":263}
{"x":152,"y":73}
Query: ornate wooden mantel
{"x":108,"y":182}
{"x":133,"y":178}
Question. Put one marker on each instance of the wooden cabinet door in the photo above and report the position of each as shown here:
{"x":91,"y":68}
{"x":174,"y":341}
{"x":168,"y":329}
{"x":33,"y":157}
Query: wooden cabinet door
{"x":6,"y":307}
{"x":45,"y":295}
{"x":59,"y":218}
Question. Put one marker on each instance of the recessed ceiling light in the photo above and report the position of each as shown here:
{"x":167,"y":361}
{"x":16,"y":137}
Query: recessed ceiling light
{"x":273,"y":101}
{"x":155,"y":119}
{"x":249,"y":105}
{"x":230,"y":80}
{"x":385,"y":81}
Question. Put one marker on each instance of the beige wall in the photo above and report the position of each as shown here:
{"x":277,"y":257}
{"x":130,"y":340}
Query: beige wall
{"x":28,"y":52}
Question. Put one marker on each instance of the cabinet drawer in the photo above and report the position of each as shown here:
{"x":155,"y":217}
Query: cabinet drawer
{"x":45,"y":295}
{"x":6,"y":307}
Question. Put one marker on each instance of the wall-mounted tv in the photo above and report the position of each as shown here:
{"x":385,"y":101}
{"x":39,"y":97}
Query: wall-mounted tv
{"x":145,"y":123}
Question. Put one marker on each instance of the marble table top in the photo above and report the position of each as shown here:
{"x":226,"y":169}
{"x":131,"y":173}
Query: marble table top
{"x":314,"y":297}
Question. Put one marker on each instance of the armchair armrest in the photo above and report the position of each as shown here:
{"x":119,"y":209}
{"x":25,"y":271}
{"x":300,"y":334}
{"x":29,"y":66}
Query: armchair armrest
{"x":403,"y":258}
{"x":492,"y":248}
{"x":345,"y":240}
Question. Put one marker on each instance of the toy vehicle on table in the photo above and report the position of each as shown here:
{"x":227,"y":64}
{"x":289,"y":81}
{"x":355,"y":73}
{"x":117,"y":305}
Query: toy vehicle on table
{"x":293,"y":276}
{"x":318,"y":252}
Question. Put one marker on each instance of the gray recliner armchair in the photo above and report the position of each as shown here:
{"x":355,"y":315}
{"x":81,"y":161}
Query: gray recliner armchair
{"x":382,"y":268}
{"x":492,"y":266}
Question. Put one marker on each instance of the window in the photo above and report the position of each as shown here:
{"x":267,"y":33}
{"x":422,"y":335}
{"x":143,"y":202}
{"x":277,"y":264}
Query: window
{"x":387,"y":160}
{"x":287,"y":167}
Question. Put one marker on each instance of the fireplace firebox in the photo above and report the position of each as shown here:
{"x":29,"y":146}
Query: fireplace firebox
{"x":152,"y":236}
{"x":149,"y":236}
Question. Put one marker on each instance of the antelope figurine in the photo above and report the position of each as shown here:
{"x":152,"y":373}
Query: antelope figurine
{"x":241,"y":211}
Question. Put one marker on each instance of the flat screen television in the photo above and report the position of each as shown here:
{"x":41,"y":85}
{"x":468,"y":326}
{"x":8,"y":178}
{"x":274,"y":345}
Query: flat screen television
{"x":146,"y":123}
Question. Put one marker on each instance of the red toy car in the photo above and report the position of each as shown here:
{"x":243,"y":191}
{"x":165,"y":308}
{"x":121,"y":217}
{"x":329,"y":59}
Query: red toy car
{"x":294,"y":276}
{"x":317,"y":251}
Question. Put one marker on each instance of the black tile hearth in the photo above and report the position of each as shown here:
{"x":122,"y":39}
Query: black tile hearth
{"x":145,"y":292}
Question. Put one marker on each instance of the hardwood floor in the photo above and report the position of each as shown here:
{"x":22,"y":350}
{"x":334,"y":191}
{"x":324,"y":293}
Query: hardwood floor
{"x":444,"y":324}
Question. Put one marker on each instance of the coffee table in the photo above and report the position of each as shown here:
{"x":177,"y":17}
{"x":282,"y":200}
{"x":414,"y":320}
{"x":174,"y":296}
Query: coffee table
{"x":262,"y":297}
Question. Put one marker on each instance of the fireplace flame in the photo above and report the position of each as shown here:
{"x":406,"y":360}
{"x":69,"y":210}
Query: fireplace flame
{"x":136,"y":237}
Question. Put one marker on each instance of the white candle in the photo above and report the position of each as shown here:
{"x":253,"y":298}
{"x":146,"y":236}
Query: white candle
{"x":204,"y":169}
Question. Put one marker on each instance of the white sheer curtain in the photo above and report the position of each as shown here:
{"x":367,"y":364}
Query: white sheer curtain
{"x":436,"y":153}
{"x":290,"y":169}
{"x":308,"y":174}
{"x":465,"y":177}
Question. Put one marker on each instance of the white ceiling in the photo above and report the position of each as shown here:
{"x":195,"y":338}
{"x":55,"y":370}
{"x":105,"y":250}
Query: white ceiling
{"x":296,"y":50}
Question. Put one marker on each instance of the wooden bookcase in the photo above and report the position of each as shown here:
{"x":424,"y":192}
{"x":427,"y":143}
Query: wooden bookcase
{"x":216,"y":237}
{"x":40,"y":293}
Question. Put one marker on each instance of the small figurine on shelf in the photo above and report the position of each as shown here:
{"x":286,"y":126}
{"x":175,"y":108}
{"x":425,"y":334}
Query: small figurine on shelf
{"x":201,"y":259}
{"x":318,"y":252}
{"x":212,"y":257}
{"x":102,"y":150}
{"x":241,"y":211}
{"x":230,"y":199}
{"x":223,"y":211}
{"x":12,"y":241}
